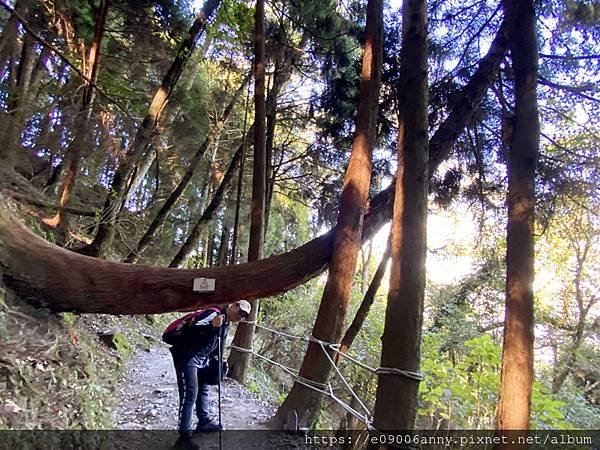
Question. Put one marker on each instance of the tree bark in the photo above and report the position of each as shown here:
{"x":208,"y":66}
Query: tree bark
{"x":82,"y":129}
{"x":149,"y":157}
{"x":513,"y":411}
{"x":240,"y":183}
{"x":239,"y":361}
{"x":135,"y":253}
{"x":9,"y":54}
{"x":281,"y":75}
{"x":365,"y":305}
{"x":79,"y":283}
{"x":8,"y":38}
{"x":208,"y":213}
{"x":396,"y":398}
{"x":334,"y":303}
{"x":365,"y":258}
{"x":223,"y":247}
{"x":145,"y":134}
{"x":17,"y":103}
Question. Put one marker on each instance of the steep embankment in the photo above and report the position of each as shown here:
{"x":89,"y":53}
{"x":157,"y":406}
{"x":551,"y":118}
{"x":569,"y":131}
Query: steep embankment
{"x":54,"y":371}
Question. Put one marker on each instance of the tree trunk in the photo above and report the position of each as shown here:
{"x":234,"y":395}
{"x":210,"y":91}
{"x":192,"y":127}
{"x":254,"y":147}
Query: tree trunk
{"x":82,"y":129}
{"x":210,"y":245}
{"x":145,"y":135}
{"x":238,"y":203}
{"x":149,"y":157}
{"x":396,"y":398}
{"x":467,"y":101}
{"x":86,"y":284}
{"x":517,"y":353}
{"x":223,"y":247}
{"x":365,"y":258}
{"x":240,"y":183}
{"x":365,"y":305}
{"x":281,"y":75}
{"x":8,"y":38}
{"x":334,"y":303}
{"x":17,"y":103}
{"x":208,"y":213}
{"x":63,"y":280}
{"x":134,"y":254}
{"x":239,"y":361}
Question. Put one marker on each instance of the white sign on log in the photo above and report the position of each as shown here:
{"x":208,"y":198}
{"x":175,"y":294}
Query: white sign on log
{"x":204,"y":285}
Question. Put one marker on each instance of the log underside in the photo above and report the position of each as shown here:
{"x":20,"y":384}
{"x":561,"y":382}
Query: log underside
{"x":61,"y":280}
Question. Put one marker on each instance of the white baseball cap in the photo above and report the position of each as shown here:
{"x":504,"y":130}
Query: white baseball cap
{"x":244,"y":306}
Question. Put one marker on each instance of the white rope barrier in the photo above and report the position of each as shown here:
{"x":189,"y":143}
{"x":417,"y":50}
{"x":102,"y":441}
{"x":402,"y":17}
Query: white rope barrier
{"x":363,"y":418}
{"x":320,"y":387}
{"x":314,"y":385}
{"x":241,"y":349}
{"x":311,"y":338}
{"x":356,"y":397}
{"x":293,"y":372}
{"x":355,"y":361}
{"x":413,"y":376}
{"x":290,"y":336}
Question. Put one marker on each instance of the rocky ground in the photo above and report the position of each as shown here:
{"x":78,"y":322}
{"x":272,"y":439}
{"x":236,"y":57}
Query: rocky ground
{"x":149,"y":398}
{"x":149,"y":402}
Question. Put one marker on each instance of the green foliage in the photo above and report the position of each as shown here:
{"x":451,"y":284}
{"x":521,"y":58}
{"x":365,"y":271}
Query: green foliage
{"x":585,"y":14}
{"x":288,"y":225}
{"x":122,"y":345}
{"x":194,"y":98}
{"x":293,"y":313}
{"x":69,"y":318}
{"x":460,"y":388}
{"x":234,"y":23}
{"x":260,"y":383}
{"x":547,"y":412}
{"x":579,"y":411}
{"x":461,"y":359}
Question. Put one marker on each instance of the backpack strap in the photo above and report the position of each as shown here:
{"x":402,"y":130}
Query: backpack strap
{"x":212,"y":308}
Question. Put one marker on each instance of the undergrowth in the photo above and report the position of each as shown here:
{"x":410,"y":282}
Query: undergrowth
{"x":53,"y":375}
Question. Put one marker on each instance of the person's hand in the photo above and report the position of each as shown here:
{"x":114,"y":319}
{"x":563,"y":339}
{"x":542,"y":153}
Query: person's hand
{"x":217,"y":320}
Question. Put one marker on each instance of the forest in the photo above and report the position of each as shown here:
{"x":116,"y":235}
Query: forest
{"x":406,"y":191}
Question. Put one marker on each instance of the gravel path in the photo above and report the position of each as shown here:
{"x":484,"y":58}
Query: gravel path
{"x":149,"y":403}
{"x":149,"y":398}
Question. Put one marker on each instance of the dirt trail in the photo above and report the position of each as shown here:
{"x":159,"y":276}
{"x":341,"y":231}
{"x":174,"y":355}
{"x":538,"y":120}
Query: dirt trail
{"x":149,"y":398}
{"x":149,"y":402}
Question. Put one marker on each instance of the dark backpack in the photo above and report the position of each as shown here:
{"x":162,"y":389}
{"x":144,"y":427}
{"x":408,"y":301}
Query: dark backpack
{"x":174,"y":333}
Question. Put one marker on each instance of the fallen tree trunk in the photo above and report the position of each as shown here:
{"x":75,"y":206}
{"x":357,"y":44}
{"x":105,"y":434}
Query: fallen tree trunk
{"x":61,"y":280}
{"x":66,"y":281}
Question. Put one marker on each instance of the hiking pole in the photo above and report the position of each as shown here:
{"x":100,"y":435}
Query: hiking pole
{"x":220,"y":359}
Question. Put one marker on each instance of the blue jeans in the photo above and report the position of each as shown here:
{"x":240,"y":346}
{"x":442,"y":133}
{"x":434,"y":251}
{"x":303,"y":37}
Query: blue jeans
{"x":192,"y":391}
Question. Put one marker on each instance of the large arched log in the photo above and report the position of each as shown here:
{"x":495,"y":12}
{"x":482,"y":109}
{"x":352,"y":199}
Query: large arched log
{"x":61,"y":280}
{"x":65,"y":281}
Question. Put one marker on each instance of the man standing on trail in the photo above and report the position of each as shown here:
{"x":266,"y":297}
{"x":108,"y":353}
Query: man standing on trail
{"x":192,"y":354}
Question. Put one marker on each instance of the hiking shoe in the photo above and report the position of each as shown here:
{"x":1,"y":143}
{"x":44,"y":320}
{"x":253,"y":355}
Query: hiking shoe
{"x":209,"y":425}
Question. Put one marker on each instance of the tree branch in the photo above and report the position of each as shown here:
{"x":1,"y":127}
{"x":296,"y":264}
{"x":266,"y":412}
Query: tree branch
{"x":578,"y":90}
{"x":62,"y":56}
